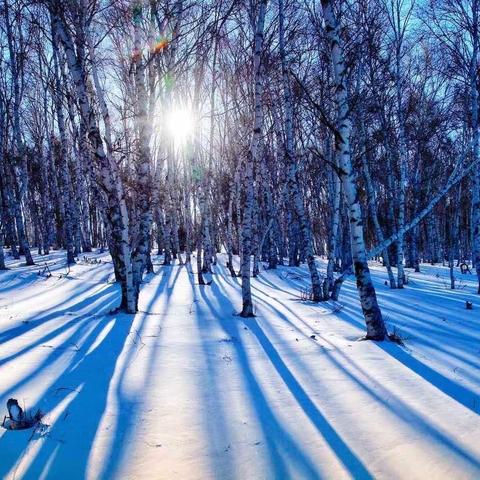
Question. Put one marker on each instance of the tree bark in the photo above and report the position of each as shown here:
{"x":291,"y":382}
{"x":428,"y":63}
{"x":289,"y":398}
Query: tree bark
{"x":252,"y":157}
{"x":373,"y":317}
{"x":116,"y":209}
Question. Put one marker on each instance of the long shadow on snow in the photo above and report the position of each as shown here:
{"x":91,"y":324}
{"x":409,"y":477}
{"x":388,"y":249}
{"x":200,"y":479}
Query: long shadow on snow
{"x":351,"y":461}
{"x":87,"y":378}
{"x":454,"y":390}
{"x":74,"y":342}
{"x":379,"y":394}
{"x":131,"y":406}
{"x":447,"y":386}
{"x":275,"y":435}
{"x":21,"y":278}
{"x":395,"y":404}
{"x":111,"y":298}
{"x":14,"y":332}
{"x":80,"y":393}
{"x":217,"y":424}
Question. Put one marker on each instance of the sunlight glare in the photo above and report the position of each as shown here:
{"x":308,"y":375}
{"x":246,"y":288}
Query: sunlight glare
{"x":180,"y":125}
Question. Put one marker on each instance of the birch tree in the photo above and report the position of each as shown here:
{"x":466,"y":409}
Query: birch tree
{"x":252,"y":158}
{"x":373,"y":317}
{"x":16,"y":71}
{"x":116,"y":213}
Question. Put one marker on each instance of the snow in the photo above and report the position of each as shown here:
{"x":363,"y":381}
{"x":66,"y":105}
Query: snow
{"x":186,"y":389}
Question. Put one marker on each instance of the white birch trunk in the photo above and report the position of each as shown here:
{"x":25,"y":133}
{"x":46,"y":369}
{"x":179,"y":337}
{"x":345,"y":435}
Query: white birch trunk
{"x":143,"y":162}
{"x":2,"y":256}
{"x":476,"y":145}
{"x":17,"y":140}
{"x":333,"y":234}
{"x":402,"y":151}
{"x":373,"y":318}
{"x":66,"y":192}
{"x":230,"y":231}
{"x":252,"y":158}
{"x":116,"y":210}
{"x":295,"y":192}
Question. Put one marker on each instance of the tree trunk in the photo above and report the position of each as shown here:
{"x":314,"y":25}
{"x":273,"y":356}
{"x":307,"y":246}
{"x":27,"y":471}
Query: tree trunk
{"x":116,"y":209}
{"x":252,"y":157}
{"x":142,"y":163}
{"x":373,"y":317}
{"x":294,"y":190}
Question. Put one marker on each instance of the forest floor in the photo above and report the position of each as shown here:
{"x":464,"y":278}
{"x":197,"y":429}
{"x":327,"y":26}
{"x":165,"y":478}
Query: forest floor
{"x":186,"y":389}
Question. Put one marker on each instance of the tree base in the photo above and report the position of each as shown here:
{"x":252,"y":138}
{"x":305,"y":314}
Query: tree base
{"x":121,"y":309}
{"x":374,"y":338}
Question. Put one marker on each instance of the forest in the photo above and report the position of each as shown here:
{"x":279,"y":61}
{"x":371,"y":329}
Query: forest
{"x":239,"y":239}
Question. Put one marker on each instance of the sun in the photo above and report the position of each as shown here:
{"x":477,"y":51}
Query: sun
{"x":180,"y":124}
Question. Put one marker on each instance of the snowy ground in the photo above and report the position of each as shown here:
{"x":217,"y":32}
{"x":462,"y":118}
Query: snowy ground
{"x":187,"y":390}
